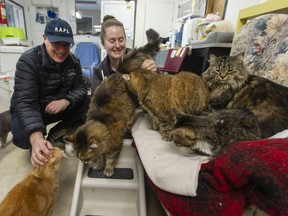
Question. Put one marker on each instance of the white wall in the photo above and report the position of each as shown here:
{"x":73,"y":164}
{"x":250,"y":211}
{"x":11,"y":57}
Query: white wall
{"x":158,"y":14}
{"x":234,"y":6}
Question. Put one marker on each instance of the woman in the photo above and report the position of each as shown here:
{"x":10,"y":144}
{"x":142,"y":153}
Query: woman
{"x":113,"y":39}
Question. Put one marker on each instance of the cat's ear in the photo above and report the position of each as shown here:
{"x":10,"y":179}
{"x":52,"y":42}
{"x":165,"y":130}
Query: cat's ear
{"x":68,"y":138}
{"x":179,"y":132}
{"x":126,"y":77}
{"x":212,"y":58}
{"x":239,"y":57}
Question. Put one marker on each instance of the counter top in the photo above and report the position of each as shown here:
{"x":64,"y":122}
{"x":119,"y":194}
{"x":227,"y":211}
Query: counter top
{"x":13,"y":49}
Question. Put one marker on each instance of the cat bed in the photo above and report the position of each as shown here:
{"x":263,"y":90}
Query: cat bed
{"x":245,"y":173}
{"x":214,"y":37}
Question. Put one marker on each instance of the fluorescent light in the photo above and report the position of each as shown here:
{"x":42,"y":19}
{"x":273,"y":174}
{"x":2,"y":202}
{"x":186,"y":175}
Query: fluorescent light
{"x":78,"y":15}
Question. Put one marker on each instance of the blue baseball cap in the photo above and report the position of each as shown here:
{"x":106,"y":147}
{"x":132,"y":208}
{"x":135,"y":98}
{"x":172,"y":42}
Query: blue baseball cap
{"x":58,"y":30}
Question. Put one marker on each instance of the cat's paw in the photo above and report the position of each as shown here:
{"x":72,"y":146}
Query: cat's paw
{"x":96,"y":166}
{"x":167,"y":139}
{"x":3,"y":145}
{"x":108,"y":172}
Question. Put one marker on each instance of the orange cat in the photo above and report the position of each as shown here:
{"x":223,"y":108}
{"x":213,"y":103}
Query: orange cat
{"x":36,"y":194}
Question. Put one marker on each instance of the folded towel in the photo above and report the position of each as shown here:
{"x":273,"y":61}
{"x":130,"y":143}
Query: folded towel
{"x":168,"y":168}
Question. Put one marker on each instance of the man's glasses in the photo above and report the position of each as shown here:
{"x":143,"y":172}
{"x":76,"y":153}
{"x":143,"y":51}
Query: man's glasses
{"x":59,"y":45}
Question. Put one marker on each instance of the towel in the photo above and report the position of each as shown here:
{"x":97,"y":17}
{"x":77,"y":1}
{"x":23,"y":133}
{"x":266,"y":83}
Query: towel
{"x":168,"y":168}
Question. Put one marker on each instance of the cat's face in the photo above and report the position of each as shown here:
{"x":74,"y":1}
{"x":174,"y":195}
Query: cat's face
{"x":53,"y":164}
{"x":57,"y":157}
{"x":185,"y":139}
{"x":89,"y":141}
{"x":226,"y":70}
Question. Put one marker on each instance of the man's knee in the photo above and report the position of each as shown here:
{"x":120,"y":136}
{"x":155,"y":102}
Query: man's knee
{"x":18,"y":137}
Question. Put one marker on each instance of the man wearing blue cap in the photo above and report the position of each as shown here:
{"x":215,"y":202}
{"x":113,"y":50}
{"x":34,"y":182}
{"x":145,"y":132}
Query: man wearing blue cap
{"x":49,"y":87}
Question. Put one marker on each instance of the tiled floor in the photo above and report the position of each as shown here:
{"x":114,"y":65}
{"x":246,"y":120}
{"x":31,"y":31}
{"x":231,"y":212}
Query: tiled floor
{"x":15,"y":164}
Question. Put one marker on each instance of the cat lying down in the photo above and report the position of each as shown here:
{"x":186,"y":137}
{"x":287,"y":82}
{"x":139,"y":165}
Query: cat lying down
{"x":36,"y":194}
{"x":158,"y":94}
{"x":210,"y":132}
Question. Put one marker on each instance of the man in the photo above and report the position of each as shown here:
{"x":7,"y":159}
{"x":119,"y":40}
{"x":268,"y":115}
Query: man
{"x":49,"y":87}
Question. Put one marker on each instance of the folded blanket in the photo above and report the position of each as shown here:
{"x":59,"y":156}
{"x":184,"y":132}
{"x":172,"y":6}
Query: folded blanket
{"x":169,"y":169}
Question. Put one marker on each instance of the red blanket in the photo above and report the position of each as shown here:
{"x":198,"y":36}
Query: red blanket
{"x":250,"y":172}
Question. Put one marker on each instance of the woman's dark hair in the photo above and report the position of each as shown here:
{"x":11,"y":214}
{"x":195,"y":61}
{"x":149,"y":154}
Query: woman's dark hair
{"x":109,"y":21}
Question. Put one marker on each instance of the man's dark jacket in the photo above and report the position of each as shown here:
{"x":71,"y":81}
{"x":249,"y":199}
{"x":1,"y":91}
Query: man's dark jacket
{"x":38,"y":82}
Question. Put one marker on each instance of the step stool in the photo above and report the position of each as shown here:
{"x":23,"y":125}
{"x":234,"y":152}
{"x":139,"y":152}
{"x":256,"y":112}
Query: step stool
{"x":96,"y":195}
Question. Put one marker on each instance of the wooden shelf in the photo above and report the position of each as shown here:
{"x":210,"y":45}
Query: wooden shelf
{"x":274,"y":6}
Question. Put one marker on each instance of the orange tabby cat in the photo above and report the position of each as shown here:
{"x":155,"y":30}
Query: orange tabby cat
{"x":36,"y":194}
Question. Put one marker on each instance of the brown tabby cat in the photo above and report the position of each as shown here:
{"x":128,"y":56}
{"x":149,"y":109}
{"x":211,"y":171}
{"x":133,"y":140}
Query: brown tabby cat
{"x":111,"y":112}
{"x":158,"y":94}
{"x":231,"y":86}
{"x":209,"y":132}
{"x":5,"y":127}
{"x":36,"y":194}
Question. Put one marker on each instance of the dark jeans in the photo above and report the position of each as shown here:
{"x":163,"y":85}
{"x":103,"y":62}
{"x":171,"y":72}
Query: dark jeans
{"x":67,"y":117}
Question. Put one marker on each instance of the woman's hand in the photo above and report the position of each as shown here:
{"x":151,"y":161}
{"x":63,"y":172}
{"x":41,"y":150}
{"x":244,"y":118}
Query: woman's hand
{"x":57,"y":106}
{"x":40,"y":146}
{"x":149,"y":64}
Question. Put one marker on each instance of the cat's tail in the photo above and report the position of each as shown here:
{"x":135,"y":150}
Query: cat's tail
{"x":134,"y":59}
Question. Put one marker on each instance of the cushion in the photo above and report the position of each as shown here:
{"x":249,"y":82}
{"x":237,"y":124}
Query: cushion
{"x":265,"y":42}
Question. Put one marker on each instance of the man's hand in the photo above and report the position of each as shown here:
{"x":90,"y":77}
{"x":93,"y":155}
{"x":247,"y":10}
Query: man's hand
{"x":39,"y":146}
{"x":149,"y":64}
{"x":57,"y":106}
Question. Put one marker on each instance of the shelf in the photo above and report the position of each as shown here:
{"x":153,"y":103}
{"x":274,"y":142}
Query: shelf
{"x":274,"y":6}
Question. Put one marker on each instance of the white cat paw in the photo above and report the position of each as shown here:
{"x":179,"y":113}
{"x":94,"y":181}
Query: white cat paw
{"x":108,"y":172}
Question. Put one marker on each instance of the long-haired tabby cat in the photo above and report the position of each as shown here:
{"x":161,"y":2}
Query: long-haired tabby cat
{"x":231,"y":86}
{"x":36,"y":194}
{"x":209,"y":132}
{"x":111,"y":112}
{"x":158,"y":94}
{"x":5,"y":127}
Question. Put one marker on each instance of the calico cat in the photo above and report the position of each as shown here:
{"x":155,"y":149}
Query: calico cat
{"x":5,"y":127}
{"x":111,"y":112}
{"x":210,"y":132}
{"x":36,"y":194}
{"x":232,"y":87}
{"x":158,"y":94}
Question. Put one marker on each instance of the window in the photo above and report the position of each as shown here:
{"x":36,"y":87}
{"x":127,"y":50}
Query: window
{"x":15,"y":15}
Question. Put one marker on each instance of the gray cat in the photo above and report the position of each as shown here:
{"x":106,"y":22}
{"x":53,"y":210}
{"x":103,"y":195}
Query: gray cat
{"x":5,"y":127}
{"x":209,"y":132}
